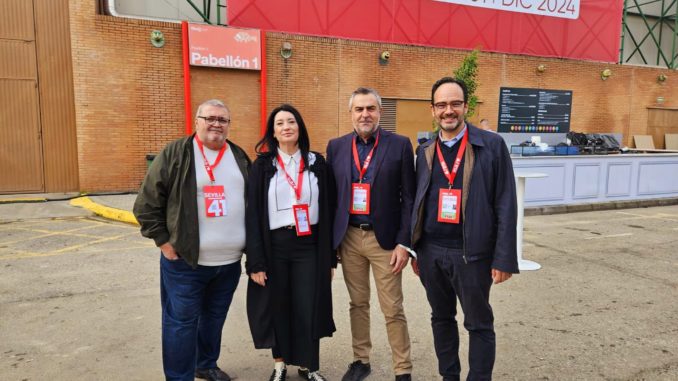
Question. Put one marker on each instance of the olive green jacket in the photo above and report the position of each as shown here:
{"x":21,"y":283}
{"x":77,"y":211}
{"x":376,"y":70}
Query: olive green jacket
{"x":166,"y":206}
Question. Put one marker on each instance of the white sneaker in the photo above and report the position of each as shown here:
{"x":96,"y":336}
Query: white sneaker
{"x":278,"y":375}
{"x":315,"y":376}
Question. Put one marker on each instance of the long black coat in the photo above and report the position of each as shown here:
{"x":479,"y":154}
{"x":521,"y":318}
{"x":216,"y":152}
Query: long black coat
{"x":259,"y":252}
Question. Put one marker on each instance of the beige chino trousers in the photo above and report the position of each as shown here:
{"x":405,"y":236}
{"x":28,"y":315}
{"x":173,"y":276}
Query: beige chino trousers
{"x":360,"y":250}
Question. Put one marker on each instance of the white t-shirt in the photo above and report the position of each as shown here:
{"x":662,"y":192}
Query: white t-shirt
{"x":222,"y":239}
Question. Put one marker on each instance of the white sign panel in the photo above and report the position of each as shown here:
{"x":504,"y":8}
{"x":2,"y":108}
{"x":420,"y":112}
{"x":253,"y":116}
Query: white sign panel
{"x":568,"y":9}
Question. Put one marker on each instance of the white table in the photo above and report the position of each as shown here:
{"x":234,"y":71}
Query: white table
{"x":524,"y":264}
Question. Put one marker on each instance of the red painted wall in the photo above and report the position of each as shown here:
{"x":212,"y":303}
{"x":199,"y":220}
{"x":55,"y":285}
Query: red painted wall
{"x":593,"y":36}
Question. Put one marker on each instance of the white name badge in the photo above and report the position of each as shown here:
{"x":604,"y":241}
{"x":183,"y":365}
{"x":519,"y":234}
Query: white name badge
{"x":301,"y":219}
{"x":360,"y":198}
{"x":448,"y":206}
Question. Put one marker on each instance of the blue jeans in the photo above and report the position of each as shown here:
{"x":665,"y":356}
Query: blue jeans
{"x":446,"y":277}
{"x":194,"y":308}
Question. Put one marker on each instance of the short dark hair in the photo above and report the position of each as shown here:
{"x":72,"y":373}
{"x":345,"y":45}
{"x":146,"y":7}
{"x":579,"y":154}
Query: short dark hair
{"x":364,"y":91}
{"x":445,"y":80}
{"x":268,"y":145}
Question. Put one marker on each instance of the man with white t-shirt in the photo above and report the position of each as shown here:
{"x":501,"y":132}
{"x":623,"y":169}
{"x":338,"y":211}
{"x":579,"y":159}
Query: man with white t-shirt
{"x":192,"y":204}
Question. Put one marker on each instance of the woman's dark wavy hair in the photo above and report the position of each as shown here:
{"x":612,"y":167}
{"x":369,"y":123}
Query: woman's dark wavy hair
{"x":268,"y":145}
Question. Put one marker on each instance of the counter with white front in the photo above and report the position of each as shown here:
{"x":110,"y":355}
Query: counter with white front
{"x":584,"y":179}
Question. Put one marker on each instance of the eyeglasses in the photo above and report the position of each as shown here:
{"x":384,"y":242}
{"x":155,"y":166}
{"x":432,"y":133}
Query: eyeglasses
{"x":215,"y":120}
{"x":442,"y":106}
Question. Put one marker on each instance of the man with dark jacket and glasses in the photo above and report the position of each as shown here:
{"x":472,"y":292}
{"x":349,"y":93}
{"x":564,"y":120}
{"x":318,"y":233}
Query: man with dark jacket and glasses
{"x":463,"y":229}
{"x":192,"y":204}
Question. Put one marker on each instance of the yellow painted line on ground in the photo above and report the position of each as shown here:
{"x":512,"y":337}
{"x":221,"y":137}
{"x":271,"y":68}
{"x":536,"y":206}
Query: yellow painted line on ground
{"x":74,"y":247}
{"x":29,"y":254}
{"x":610,"y":236}
{"x":118,"y":249}
{"x":24,"y":254}
{"x":20,"y":254}
{"x":50,"y":233}
{"x":90,"y":236}
{"x":105,"y":211}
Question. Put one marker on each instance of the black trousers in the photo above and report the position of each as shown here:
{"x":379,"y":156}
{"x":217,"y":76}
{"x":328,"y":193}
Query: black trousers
{"x":293,"y":278}
{"x":446,"y":277}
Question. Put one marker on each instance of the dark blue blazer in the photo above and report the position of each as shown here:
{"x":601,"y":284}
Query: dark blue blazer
{"x":391,"y":193}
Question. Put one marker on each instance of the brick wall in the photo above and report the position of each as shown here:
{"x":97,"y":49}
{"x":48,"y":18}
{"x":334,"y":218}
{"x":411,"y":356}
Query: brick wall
{"x":129,"y":95}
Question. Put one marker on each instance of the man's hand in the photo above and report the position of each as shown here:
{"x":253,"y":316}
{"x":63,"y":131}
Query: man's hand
{"x":399,"y":259}
{"x":415,"y":267}
{"x":259,"y":278}
{"x":168,"y":251}
{"x":332,"y":275}
{"x":499,"y":276}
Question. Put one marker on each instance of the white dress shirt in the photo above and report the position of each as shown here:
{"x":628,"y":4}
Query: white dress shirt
{"x":281,"y":195}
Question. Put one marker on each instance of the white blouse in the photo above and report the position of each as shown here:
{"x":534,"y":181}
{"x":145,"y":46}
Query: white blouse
{"x":281,"y":195}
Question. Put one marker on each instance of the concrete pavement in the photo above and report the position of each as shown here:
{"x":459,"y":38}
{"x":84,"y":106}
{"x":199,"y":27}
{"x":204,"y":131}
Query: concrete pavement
{"x":79,"y":299}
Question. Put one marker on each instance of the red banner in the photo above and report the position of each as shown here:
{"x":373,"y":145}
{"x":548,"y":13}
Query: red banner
{"x":578,"y":29}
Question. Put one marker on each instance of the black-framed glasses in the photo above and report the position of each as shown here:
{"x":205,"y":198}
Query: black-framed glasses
{"x":441,"y":106}
{"x":215,"y":120}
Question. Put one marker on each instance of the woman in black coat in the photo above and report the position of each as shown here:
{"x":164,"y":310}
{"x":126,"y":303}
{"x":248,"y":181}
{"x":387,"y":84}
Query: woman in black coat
{"x":290,"y":259}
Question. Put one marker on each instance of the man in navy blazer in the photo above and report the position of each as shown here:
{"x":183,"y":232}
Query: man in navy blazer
{"x":374,"y":173}
{"x":463,"y":229}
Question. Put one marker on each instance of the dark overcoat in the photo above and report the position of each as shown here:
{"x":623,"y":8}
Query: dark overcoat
{"x":488,"y":201}
{"x":259,"y":251}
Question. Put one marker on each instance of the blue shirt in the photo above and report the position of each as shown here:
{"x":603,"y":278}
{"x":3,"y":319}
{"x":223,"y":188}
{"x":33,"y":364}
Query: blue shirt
{"x":364,"y":149}
{"x":454,"y":140}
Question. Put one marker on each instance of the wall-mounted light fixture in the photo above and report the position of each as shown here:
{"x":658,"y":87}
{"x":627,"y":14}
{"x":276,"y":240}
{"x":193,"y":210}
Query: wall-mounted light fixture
{"x":384,"y":57}
{"x":605,"y":74}
{"x":660,"y":100}
{"x":661,"y":78}
{"x":286,"y":50}
{"x":541,"y":68}
{"x":157,"y":39}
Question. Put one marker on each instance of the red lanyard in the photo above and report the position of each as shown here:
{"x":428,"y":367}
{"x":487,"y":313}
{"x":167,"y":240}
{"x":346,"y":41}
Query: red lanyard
{"x":457,"y":161}
{"x":210,"y":168}
{"x":356,"y":158}
{"x":300,"y":177}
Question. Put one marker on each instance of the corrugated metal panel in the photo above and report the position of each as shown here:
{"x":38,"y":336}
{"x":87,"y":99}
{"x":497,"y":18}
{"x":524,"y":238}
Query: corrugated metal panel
{"x":17,"y":59}
{"x":16,"y":20}
{"x":57,"y":103}
{"x":388,"y":115}
{"x":20,"y":148}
